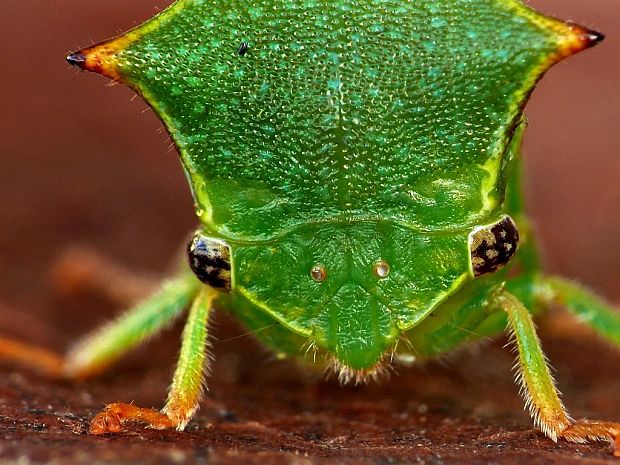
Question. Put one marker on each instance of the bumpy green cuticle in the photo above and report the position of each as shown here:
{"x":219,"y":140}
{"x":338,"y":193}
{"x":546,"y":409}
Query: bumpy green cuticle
{"x":342,"y":108}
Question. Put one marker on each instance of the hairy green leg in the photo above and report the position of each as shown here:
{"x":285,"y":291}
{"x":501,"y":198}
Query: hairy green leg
{"x":538,"y":386}
{"x":187,"y":384}
{"x":188,"y":381}
{"x":533,"y":373}
{"x":95,"y":352}
{"x":535,"y":291}
{"x":588,"y":308}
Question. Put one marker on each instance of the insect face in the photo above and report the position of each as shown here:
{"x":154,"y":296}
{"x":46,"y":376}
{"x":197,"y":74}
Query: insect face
{"x":352,"y":288}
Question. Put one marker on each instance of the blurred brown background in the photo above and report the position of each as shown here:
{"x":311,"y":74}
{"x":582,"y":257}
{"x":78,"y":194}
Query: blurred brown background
{"x":84,"y":163}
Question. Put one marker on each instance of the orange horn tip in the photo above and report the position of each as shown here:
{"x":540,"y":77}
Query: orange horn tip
{"x":579,"y":38}
{"x":98,"y":59}
{"x":588,"y":37}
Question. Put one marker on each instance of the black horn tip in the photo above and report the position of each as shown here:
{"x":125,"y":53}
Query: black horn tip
{"x":76,"y":59}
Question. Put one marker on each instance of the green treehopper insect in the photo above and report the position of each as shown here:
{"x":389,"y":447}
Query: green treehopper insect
{"x":354,"y":169}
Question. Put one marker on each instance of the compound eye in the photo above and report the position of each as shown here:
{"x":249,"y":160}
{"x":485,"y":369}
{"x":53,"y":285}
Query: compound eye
{"x":492,"y":246}
{"x":210,"y":261}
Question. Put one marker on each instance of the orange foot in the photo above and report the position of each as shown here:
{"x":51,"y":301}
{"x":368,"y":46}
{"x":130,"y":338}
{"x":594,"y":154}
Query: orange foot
{"x":591,"y":430}
{"x":113,"y":416}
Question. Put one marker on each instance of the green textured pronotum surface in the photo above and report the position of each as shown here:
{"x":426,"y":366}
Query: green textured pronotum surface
{"x":341,"y":109}
{"x":343,"y":133}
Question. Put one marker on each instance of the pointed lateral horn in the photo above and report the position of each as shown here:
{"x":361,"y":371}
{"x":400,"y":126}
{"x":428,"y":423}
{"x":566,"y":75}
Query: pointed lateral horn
{"x":577,"y":39}
{"x":101,"y":58}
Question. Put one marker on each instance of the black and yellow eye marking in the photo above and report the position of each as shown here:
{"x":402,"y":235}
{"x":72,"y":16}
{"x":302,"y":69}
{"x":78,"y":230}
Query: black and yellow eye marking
{"x":210,"y":261}
{"x":492,"y":246}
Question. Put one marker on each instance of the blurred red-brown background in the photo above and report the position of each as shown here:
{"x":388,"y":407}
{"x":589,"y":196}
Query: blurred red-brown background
{"x":84,"y":163}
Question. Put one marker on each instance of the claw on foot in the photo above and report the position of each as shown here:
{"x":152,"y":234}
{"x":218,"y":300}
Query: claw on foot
{"x":112,"y":417}
{"x":591,"y":430}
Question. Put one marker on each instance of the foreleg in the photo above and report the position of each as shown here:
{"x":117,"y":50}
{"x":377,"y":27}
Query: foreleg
{"x":97,"y":351}
{"x":537,"y":384}
{"x":187,"y":384}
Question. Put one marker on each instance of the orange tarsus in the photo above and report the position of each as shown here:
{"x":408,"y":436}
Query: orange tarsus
{"x":111,"y":418}
{"x":585,"y":430}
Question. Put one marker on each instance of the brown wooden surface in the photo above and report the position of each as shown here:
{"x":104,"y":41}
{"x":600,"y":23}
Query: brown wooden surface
{"x":83,"y":164}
